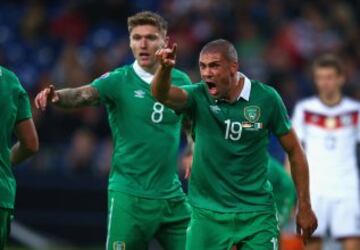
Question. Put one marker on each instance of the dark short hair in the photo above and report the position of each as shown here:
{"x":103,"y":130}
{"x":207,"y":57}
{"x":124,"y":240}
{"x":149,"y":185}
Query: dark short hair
{"x":223,"y":47}
{"x":329,"y":61}
{"x":147,"y":18}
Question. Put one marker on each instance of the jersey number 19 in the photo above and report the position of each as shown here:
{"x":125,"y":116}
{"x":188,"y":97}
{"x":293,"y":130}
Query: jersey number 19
{"x":233,"y":130}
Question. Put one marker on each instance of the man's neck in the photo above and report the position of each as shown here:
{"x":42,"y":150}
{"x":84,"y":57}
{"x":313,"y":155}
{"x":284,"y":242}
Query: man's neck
{"x":151,"y":69}
{"x":235,"y":90}
{"x":331,"y":100}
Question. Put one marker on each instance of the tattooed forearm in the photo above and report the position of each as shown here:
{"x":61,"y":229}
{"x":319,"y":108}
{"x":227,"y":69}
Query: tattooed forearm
{"x":77,"y":97}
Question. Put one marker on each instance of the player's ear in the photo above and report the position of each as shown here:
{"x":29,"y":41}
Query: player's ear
{"x":234,"y":67}
{"x":130,"y":41}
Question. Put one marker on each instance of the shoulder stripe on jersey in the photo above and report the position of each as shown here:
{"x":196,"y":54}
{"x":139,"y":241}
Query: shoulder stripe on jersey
{"x":331,"y":122}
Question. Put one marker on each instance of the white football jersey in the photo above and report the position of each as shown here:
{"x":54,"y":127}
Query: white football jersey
{"x":330,"y":136}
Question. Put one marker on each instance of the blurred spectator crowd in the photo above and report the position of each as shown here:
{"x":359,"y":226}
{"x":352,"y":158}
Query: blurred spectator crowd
{"x":70,"y":43}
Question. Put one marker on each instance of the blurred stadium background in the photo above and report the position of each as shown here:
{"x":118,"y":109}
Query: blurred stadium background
{"x":61,"y":197}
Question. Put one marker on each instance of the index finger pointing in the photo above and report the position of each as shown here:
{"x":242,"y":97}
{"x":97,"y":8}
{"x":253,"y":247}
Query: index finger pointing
{"x":52,"y":89}
{"x":173,"y":49}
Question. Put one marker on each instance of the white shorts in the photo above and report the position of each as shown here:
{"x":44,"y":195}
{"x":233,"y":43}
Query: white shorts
{"x":337,"y":217}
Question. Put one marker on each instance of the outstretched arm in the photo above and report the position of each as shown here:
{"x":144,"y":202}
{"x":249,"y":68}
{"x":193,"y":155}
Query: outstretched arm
{"x":67,"y":98}
{"x":161,"y":89}
{"x":305,"y":219}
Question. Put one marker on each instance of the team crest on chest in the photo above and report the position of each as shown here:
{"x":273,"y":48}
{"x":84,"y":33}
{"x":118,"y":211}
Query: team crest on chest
{"x":139,"y":93}
{"x":252,"y":113}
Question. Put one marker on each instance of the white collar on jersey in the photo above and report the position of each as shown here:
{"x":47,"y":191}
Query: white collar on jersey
{"x":144,"y":75}
{"x":245,"y":92}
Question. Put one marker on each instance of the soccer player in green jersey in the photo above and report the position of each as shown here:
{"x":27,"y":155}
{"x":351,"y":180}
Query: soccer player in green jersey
{"x":231,"y":197}
{"x":283,"y":189}
{"x":145,"y":199}
{"x":15,"y":118}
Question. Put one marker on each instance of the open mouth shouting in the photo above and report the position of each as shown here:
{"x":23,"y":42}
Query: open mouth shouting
{"x":212,"y":88}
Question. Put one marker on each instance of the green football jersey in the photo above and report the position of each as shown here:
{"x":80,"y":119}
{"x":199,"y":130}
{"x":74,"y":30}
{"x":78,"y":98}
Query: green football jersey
{"x":15,"y":107}
{"x":146,"y":135}
{"x":283,"y":186}
{"x":229,"y":172}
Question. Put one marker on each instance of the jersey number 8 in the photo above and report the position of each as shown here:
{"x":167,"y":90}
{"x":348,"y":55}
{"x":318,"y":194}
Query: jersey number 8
{"x":157,"y":114}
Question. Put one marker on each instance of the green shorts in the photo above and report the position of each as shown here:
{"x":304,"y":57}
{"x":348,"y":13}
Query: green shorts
{"x":5,"y":219}
{"x":219,"y":231}
{"x":133,"y":222}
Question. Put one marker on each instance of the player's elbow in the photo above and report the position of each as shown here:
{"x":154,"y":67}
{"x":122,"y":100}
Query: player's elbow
{"x":158,"y":95}
{"x":154,"y":92}
{"x":34,"y":148}
{"x":30,"y":146}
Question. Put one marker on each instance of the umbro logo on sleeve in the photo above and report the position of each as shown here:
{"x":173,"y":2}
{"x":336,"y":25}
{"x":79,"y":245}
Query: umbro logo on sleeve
{"x":139,"y":93}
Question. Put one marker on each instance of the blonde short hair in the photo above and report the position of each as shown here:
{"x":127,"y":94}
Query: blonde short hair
{"x":147,"y":18}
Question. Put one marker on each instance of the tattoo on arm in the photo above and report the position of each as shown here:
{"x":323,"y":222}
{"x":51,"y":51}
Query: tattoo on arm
{"x":78,"y":97}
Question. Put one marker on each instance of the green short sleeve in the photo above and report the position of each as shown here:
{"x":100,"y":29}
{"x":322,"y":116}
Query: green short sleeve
{"x":191,"y":90}
{"x":24,"y":107}
{"x":103,"y":85}
{"x":179,"y":78}
{"x":280,"y":122}
{"x":187,"y":80}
